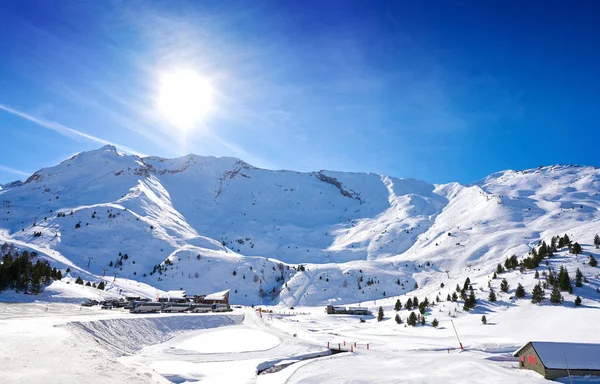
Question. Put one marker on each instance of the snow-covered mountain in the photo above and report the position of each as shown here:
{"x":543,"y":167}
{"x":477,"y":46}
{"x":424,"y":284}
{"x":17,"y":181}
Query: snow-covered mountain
{"x":206,"y":224}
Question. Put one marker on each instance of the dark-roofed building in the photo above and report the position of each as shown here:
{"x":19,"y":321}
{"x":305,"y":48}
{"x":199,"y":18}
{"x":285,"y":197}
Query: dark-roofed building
{"x":215,"y":298}
{"x":551,"y":359}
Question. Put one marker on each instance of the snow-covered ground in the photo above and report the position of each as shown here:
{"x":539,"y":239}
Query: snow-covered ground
{"x":279,"y":239}
{"x":66,"y":344}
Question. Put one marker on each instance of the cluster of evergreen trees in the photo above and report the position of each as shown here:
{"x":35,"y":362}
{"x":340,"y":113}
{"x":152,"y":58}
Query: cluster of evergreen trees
{"x":414,"y":319}
{"x":24,"y":273}
{"x":80,"y":281}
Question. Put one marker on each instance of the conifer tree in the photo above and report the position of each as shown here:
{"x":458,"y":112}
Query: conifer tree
{"x":101,"y":286}
{"x":412,"y":319}
{"x":79,"y":280}
{"x":484,"y":320}
{"x":578,"y":299}
{"x":380,"y":314}
{"x":454,"y":297}
{"x":520,"y":291}
{"x":504,"y":286}
{"x":578,"y":278}
{"x":492,"y":296}
{"x":499,"y":269}
{"x":555,"y":296}
{"x":564,"y":281}
{"x":435,"y":323}
{"x":422,"y":320}
{"x":576,"y":249}
{"x":398,"y":305}
{"x":470,"y":302}
{"x":537,"y":275}
{"x":495,"y":276}
{"x":409,"y":304}
{"x":449,"y":298}
{"x":398,"y":319}
{"x":593,"y":261}
{"x":537,"y":295}
{"x":597,"y":241}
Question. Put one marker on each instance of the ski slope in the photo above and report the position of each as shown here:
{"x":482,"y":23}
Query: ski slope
{"x":211,"y":224}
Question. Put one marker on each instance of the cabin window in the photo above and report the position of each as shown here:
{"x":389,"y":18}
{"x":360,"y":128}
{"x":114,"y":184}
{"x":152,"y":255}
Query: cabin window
{"x":531,"y":359}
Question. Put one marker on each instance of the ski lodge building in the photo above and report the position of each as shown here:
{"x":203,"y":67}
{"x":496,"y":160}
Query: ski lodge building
{"x":214,"y":298}
{"x":552,"y":360}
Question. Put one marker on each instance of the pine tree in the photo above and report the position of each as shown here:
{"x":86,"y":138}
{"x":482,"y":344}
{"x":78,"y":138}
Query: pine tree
{"x":409,"y":304}
{"x":578,"y":278}
{"x":435,"y":323}
{"x":564,"y":281}
{"x":457,"y":288}
{"x":520,"y":291}
{"x":449,"y":298}
{"x":416,"y":285}
{"x":578,"y":299}
{"x":499,"y":269}
{"x":101,"y":286}
{"x":79,"y":281}
{"x":470,"y":302}
{"x":555,"y":296}
{"x":466,"y":284}
{"x":380,"y":314}
{"x":593,"y":261}
{"x":398,"y":319}
{"x":576,"y":249}
{"x":454,"y":297}
{"x":537,"y":275}
{"x":537,"y":295}
{"x":398,"y":305}
{"x":597,"y":241}
{"x":504,"y":286}
{"x":422,"y":320}
{"x":412,"y":319}
{"x":484,"y":320}
{"x":492,"y":297}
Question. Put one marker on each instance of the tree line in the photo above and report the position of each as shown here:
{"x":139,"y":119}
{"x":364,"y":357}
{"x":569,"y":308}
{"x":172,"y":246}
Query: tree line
{"x":26,"y":273}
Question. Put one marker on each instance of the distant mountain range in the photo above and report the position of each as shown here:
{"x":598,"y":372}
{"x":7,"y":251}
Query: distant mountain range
{"x":207,"y":224}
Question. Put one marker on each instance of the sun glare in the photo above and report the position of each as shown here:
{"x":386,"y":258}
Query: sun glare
{"x":184,"y":98}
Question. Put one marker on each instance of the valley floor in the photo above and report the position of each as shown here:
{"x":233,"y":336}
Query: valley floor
{"x":64,"y":343}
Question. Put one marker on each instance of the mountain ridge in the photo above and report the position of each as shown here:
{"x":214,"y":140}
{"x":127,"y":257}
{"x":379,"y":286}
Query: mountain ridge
{"x":174,"y":217}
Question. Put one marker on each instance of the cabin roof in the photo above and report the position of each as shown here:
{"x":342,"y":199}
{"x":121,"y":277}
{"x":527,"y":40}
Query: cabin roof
{"x":217,"y":295}
{"x":578,"y":355}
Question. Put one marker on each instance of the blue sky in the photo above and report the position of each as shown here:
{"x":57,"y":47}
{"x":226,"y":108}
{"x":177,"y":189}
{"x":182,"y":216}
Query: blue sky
{"x":435,"y":90}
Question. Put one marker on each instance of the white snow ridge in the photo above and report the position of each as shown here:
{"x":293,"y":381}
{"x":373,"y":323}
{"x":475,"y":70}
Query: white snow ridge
{"x":282,"y":239}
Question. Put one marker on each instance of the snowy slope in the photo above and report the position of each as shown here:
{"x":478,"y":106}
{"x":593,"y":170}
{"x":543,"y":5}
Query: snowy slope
{"x":222,"y":223}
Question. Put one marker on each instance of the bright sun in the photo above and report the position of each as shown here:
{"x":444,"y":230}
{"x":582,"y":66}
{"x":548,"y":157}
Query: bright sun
{"x":184,"y":98}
